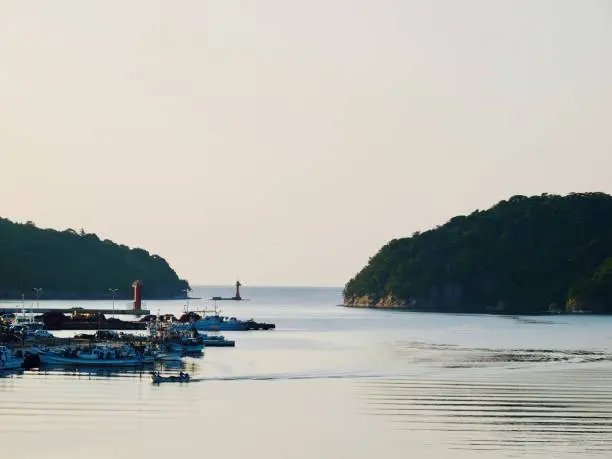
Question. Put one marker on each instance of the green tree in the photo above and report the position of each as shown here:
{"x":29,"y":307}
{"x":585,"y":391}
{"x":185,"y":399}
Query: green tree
{"x":519,"y":256}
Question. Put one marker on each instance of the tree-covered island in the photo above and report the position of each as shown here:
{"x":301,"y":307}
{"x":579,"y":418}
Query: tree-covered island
{"x":67,"y":265}
{"x":526,"y":255}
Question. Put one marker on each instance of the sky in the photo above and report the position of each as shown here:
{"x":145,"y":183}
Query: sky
{"x":286,"y":142}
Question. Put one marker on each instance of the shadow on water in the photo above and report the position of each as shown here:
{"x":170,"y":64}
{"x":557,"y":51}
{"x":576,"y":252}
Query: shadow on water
{"x":537,"y":320}
{"x":11,"y":373}
{"x":93,"y":372}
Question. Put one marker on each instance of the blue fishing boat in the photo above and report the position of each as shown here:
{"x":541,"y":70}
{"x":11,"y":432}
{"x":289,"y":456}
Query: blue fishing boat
{"x":8,"y":361}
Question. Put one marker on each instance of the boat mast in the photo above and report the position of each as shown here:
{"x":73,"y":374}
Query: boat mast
{"x":187,"y":300}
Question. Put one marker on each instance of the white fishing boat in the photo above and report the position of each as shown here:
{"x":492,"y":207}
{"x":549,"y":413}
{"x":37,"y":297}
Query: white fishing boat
{"x":216,"y":340}
{"x":8,"y":361}
{"x":185,"y":344}
{"x":207,"y":340}
{"x":169,"y":356}
{"x":207,"y":320}
{"x":97,"y":355}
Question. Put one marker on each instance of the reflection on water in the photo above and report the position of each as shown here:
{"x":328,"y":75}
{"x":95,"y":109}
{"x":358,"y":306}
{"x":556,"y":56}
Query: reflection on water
{"x":336,"y":382}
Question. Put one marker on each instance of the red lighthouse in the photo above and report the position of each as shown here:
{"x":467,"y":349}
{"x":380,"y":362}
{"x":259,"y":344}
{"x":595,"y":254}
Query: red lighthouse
{"x":137,"y":285}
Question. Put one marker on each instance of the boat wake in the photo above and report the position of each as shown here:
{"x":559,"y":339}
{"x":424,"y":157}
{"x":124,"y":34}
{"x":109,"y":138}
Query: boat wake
{"x":289,"y":376}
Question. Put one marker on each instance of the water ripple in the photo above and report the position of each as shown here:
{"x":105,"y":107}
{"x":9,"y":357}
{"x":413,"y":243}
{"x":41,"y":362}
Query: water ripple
{"x":566,"y":411}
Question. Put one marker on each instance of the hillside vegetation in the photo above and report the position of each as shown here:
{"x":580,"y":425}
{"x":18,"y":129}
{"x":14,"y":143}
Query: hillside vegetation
{"x":524,"y":255}
{"x":67,"y":264}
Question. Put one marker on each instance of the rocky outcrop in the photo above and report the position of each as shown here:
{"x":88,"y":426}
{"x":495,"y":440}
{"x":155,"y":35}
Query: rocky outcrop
{"x":365,"y":301}
{"x":388,"y":301}
{"x":444,"y":297}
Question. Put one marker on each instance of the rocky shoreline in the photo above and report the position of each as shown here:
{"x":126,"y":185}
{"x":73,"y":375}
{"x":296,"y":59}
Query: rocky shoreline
{"x":428,"y":305}
{"x":403,"y":307}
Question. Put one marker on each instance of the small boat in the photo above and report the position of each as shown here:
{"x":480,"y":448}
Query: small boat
{"x":29,"y":329}
{"x":8,"y":361}
{"x":188,"y":329}
{"x":181,"y":378}
{"x":207,"y":321}
{"x":217,"y":322}
{"x":216,"y":341}
{"x":168,"y":356}
{"x":185,"y":344}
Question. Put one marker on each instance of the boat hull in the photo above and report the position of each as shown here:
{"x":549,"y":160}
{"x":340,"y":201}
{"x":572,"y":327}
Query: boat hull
{"x":167,"y":379}
{"x":169,"y":357}
{"x":50,"y":359}
{"x":219,"y":343}
{"x":11,"y":365}
{"x":8,"y":361}
{"x":189,"y":348}
{"x":223,"y":326}
{"x":214,"y":341}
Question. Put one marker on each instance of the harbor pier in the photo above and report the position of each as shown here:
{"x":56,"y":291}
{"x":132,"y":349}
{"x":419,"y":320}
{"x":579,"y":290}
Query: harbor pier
{"x":76,"y":310}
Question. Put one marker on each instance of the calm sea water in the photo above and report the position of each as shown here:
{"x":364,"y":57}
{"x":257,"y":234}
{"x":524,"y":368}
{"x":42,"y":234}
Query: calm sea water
{"x":334,"y":382}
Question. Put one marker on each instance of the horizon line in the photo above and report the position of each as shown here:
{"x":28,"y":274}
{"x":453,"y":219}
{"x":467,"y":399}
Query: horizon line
{"x":269,"y":286}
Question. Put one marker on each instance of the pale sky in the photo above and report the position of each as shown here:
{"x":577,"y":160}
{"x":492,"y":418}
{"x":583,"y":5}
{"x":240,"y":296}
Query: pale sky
{"x":285,"y":142}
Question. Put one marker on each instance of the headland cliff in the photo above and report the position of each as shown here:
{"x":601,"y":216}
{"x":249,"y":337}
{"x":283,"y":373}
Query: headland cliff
{"x":524,"y":255}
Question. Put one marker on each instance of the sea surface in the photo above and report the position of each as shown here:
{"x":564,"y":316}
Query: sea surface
{"x":334,"y":382}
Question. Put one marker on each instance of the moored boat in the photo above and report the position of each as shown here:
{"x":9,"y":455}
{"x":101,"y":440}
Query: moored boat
{"x":216,"y":340}
{"x":216,"y":322}
{"x":206,"y":321}
{"x":169,"y":356}
{"x":207,"y":340}
{"x":8,"y":361}
{"x":186,"y":344}
{"x":97,"y":355}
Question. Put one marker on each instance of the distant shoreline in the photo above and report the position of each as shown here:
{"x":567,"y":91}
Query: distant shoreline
{"x":13,"y":300}
{"x":488,"y":313}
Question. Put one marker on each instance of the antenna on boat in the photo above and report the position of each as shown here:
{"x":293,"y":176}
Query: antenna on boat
{"x":187,"y":299}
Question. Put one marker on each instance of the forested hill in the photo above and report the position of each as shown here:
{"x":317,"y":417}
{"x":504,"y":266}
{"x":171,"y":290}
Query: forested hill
{"x":67,"y":264}
{"x":524,"y":255}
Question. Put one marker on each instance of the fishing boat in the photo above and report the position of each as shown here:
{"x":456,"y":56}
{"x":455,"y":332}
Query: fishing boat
{"x":185,"y":344}
{"x":181,"y":378}
{"x":97,"y":355}
{"x":181,"y":340}
{"x":168,"y":356}
{"x":207,"y":340}
{"x":216,"y":340}
{"x":214,"y":321}
{"x":8,"y":361}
